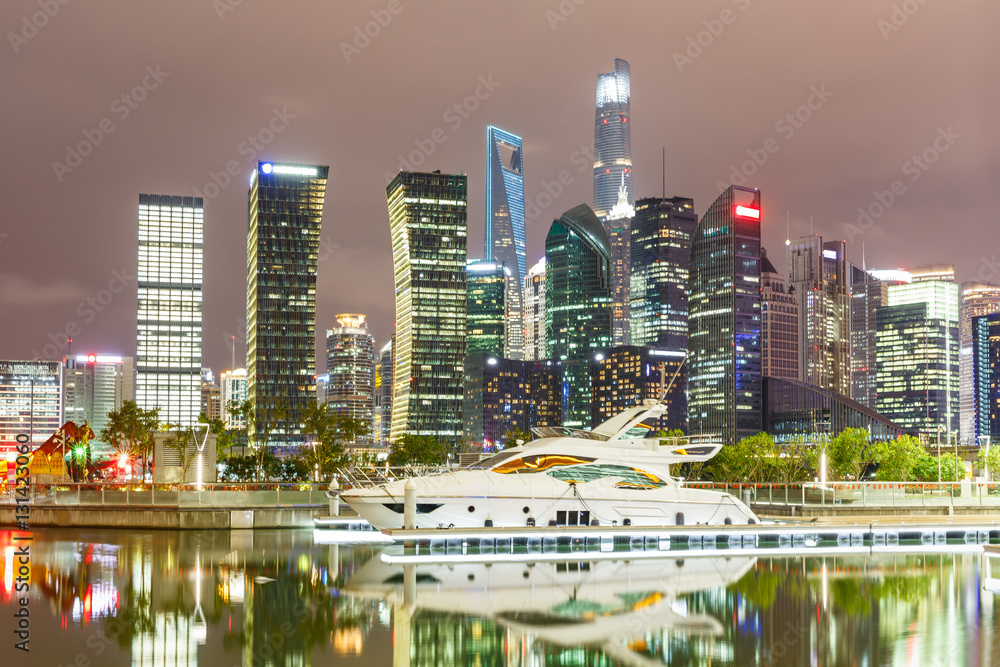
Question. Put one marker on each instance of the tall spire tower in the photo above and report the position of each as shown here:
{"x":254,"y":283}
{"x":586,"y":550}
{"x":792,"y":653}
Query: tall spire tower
{"x":612,"y":139}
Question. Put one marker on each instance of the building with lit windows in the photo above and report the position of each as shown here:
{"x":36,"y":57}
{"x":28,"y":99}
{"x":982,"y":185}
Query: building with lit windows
{"x":285,"y":213}
{"x":211,"y":395}
{"x":622,"y":377}
{"x":30,"y":399}
{"x":986,"y":379}
{"x":577,"y":304}
{"x":534,"y":312}
{"x":869,"y":292}
{"x":779,"y":322}
{"x":917,"y":355}
{"x":724,"y":325}
{"x":613,"y":139}
{"x":504,"y":394}
{"x":817,"y":273}
{"x":350,"y":367}
{"x":383,"y":396}
{"x":168,"y":343}
{"x":618,"y":225}
{"x":975,"y":299}
{"x":660,"y":250}
{"x":95,"y":385}
{"x":488,"y":321}
{"x":429,"y":229}
{"x":233,"y":386}
{"x":505,"y":222}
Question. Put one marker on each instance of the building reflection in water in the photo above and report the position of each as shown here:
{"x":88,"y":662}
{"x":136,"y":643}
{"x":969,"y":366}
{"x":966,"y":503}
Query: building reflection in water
{"x":277,"y":598}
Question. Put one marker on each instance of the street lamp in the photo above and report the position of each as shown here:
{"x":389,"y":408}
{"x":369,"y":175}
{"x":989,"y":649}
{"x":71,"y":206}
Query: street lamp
{"x":940,"y":430}
{"x":200,"y":448}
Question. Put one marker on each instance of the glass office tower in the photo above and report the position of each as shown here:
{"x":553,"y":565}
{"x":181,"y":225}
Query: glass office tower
{"x":429,"y":229}
{"x":505,"y":221}
{"x":534,"y":312}
{"x":577,"y":304}
{"x":285,"y":212}
{"x":986,"y":379}
{"x":350,"y":367}
{"x":976,"y":299}
{"x":487,"y":285}
{"x":30,"y":399}
{"x":168,"y":339}
{"x":724,"y":381}
{"x":612,"y":139}
{"x":662,"y":231}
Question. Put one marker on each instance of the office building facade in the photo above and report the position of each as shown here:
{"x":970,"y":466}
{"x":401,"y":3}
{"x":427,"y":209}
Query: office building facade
{"x":613,"y":139}
{"x":285,"y":214}
{"x":618,"y":225}
{"x":660,"y":260}
{"x":779,"y":322}
{"x":383,"y":396}
{"x":505,"y":394}
{"x":534,"y":312}
{"x":30,"y":399}
{"x":986,"y":379}
{"x":233,"y":388}
{"x":724,"y":325}
{"x":577,"y":304}
{"x":429,"y":229}
{"x":95,"y":385}
{"x":488,"y":307}
{"x":350,"y":369}
{"x":622,"y":377}
{"x":505,"y":240}
{"x":169,"y":332}
{"x":976,"y":299}
{"x":869,"y":292}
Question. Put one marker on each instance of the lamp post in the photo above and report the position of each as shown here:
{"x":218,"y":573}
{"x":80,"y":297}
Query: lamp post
{"x":940,"y":429}
{"x":200,"y":448}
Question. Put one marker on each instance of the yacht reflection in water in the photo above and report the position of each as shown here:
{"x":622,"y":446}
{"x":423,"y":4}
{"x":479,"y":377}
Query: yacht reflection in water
{"x":607,"y":605}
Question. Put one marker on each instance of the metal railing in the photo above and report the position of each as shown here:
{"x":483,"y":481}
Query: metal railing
{"x":864,"y":494}
{"x":250,"y":495}
{"x":362,"y":477}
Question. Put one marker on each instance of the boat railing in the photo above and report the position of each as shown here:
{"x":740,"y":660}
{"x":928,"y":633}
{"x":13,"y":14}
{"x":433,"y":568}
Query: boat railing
{"x":363,"y":477}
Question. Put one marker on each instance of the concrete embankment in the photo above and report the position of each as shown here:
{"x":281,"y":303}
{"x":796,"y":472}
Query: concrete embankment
{"x":172,"y":518}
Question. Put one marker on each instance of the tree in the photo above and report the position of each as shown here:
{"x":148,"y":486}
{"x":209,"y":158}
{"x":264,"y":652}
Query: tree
{"x":180,"y":442}
{"x":750,"y":460}
{"x":849,"y":453}
{"x":417,"y":450}
{"x":330,"y":433}
{"x":897,"y":458}
{"x":792,"y":461}
{"x":130,"y":432}
{"x":513,"y":437}
{"x":989,"y":459}
{"x":926,"y":468}
{"x":258,"y":424}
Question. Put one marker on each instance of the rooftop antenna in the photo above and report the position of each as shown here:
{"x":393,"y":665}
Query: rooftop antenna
{"x":664,"y":154}
{"x":811,"y":226}
{"x":864,"y":267}
{"x":233,"y":367}
{"x":788,"y":228}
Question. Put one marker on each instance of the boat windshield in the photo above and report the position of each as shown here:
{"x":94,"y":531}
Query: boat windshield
{"x":540,"y":462}
{"x":487,"y":463}
{"x":563,"y":432}
{"x":629,"y":478}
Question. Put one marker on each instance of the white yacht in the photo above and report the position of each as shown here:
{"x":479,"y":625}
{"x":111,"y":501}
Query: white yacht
{"x":615,"y":474}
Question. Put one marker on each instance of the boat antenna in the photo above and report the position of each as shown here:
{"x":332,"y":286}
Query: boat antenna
{"x":676,"y":373}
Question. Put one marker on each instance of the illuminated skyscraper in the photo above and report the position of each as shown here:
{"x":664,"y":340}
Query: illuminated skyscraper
{"x":817,"y":273}
{"x":284,"y":218}
{"x":487,"y":284}
{"x":577,"y":304}
{"x":917,"y":353}
{"x":662,"y":230}
{"x":724,"y":381}
{"x":612,"y":139}
{"x":429,"y":229}
{"x":95,"y":385}
{"x":383,"y":396}
{"x":986,"y":379}
{"x":30,"y":399}
{"x":350,"y":367}
{"x":976,"y":299}
{"x":779,"y":316}
{"x":618,"y":225}
{"x":534,"y":312}
{"x":168,"y":342}
{"x":505,"y":221}
{"x":234,"y":389}
{"x":869,"y":292}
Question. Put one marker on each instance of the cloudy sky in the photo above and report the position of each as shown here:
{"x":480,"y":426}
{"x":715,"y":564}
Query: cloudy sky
{"x":890,"y":107}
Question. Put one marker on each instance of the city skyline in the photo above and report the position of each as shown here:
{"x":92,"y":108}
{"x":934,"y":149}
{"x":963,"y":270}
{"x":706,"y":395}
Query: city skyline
{"x":849,"y":131}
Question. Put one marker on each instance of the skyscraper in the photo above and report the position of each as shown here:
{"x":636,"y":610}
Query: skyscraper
{"x":986,"y":379}
{"x":917,"y":354}
{"x":284,"y":218}
{"x":30,"y":399}
{"x":503,"y":394}
{"x":624,"y":376}
{"x":350,"y":365}
{"x":724,"y":362}
{"x":505,"y":242}
{"x":168,"y":341}
{"x":487,"y":285}
{"x":577,"y":303}
{"x":976,"y":299}
{"x":817,"y":272}
{"x":95,"y":385}
{"x":612,"y":139}
{"x":618,"y":225}
{"x":779,"y":317}
{"x":662,"y":230}
{"x":869,"y":292}
{"x":534,"y":312}
{"x":428,"y":224}
{"x":383,"y":395}
{"x":234,"y":390}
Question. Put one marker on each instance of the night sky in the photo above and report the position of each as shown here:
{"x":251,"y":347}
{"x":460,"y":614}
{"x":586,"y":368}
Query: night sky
{"x":712,"y":82}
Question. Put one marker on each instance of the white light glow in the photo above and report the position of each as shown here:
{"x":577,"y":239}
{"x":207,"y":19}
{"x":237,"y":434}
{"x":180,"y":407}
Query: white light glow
{"x":294,"y":171}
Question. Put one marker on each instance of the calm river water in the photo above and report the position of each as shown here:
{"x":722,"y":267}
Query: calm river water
{"x":219,"y":598}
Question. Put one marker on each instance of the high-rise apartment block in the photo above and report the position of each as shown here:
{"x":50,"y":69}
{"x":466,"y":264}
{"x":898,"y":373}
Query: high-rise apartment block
{"x":534,"y":312}
{"x":350,"y":367}
{"x":779,"y":318}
